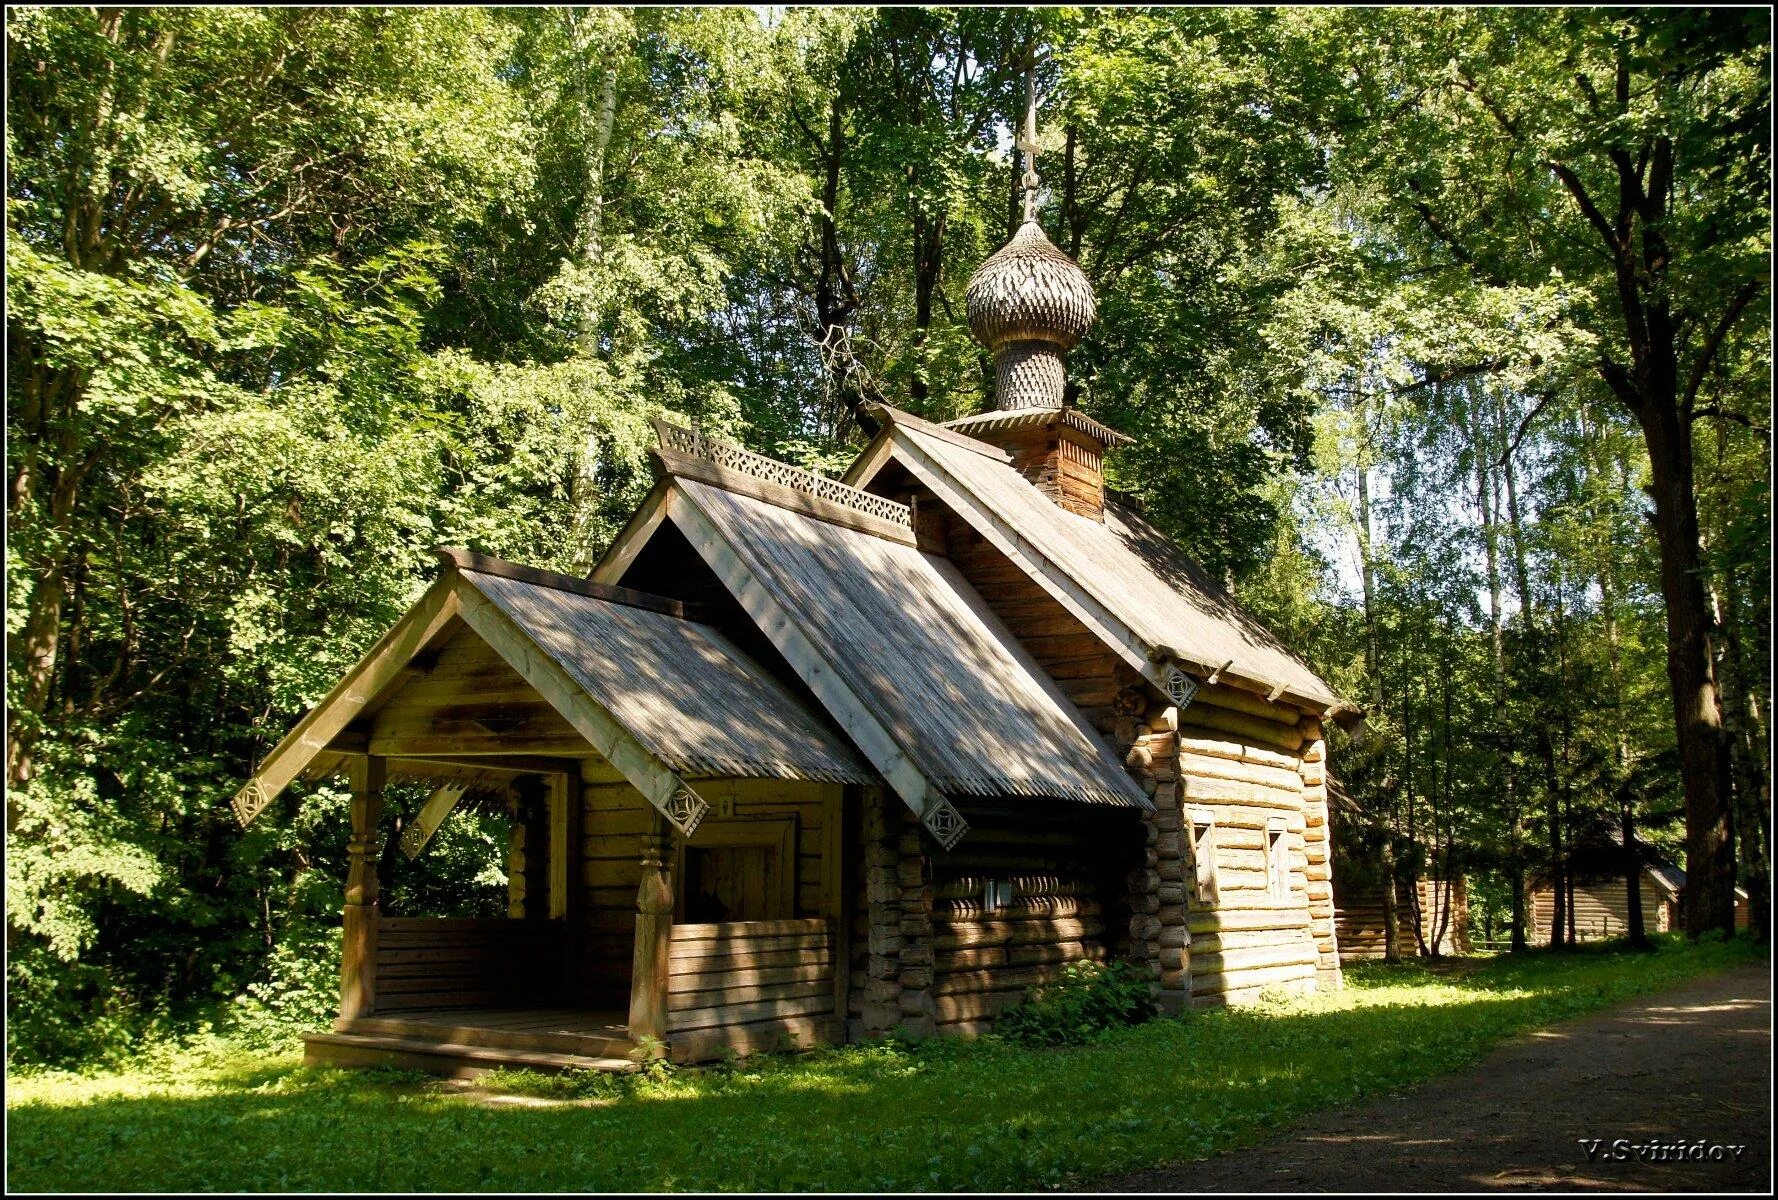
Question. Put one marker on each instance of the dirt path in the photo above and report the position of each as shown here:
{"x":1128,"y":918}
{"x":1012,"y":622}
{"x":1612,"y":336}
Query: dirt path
{"x":1692,"y":1064}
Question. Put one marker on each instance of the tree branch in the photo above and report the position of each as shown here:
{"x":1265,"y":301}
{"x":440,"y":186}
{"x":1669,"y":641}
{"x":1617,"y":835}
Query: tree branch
{"x":1707,"y":354}
{"x":1512,"y":446}
{"x":1572,"y":182}
{"x":1763,"y":432}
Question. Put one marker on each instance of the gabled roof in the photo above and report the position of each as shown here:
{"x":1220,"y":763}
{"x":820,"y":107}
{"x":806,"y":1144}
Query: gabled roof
{"x":686,"y":692}
{"x":1124,"y":579}
{"x":903,"y":653}
{"x":663,"y":698}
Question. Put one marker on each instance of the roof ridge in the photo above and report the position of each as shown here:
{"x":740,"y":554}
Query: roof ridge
{"x":1074,"y":418}
{"x":898,"y":416}
{"x":695,"y":443}
{"x":500,"y":568}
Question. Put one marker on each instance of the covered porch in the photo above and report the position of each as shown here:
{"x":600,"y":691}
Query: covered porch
{"x":676,"y":817}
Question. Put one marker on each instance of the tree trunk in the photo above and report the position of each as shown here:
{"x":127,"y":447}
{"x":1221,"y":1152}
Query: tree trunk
{"x":1545,"y":745}
{"x":1691,"y":673}
{"x":600,"y":114}
{"x":1391,"y":918}
{"x":929,"y":233}
{"x":1743,"y":727}
{"x":1638,"y":931}
{"x":1486,"y":499}
{"x":1373,"y":652}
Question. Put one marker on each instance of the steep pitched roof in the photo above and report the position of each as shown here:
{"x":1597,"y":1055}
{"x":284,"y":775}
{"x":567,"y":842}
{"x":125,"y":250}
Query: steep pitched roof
{"x":900,"y":634}
{"x":1124,"y":579}
{"x":663,"y":698}
{"x":686,"y":692}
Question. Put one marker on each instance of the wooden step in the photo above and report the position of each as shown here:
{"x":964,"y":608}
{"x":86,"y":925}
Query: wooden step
{"x":443,"y":1030}
{"x":454,"y":1060}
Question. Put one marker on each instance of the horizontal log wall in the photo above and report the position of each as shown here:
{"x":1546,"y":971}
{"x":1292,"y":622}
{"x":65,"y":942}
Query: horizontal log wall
{"x":1064,"y":864}
{"x":456,"y":707}
{"x":1088,"y":672}
{"x":1359,"y":914}
{"x":1243,"y":759}
{"x":433,"y":962}
{"x":1601,"y":911}
{"x":616,"y":818}
{"x":750,"y":985}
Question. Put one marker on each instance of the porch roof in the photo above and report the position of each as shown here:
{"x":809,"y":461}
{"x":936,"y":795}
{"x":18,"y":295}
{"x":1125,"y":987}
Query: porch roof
{"x":662,"y":697}
{"x":687,"y":693}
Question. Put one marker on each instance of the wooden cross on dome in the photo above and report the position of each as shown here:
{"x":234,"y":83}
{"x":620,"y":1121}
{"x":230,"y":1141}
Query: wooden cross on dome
{"x":1026,"y":142}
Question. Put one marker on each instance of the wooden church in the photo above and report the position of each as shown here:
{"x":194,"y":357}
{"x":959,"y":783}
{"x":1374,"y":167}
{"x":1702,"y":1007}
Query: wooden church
{"x":808,"y":760}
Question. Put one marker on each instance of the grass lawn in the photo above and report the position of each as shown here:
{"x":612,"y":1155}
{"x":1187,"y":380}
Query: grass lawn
{"x":946,"y":1115}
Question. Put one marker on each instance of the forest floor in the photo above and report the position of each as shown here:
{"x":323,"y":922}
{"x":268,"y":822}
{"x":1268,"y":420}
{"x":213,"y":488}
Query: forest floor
{"x":942,"y":1115}
{"x":1687,"y":1066}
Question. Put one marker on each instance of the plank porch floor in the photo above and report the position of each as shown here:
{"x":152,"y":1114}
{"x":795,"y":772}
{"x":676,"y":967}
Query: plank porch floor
{"x":464,"y":1042}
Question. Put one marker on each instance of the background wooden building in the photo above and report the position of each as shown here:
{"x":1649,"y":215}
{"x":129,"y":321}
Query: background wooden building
{"x":1432,"y":914}
{"x":1601,"y":908}
{"x":809,"y":759}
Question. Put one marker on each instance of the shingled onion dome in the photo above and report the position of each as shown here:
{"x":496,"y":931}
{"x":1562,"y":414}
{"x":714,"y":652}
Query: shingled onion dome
{"x":1029,"y":304}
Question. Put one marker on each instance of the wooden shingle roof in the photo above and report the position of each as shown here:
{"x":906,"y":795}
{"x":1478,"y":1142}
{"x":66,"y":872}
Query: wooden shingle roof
{"x":913,"y":643}
{"x":1130,"y":583}
{"x":661,"y":697}
{"x":683,"y":689}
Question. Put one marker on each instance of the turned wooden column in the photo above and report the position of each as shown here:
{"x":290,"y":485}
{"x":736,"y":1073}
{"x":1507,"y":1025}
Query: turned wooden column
{"x":533,"y":814}
{"x":654,"y":932}
{"x":358,"y":966}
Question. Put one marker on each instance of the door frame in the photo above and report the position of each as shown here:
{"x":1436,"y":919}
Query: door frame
{"x":774,"y":831}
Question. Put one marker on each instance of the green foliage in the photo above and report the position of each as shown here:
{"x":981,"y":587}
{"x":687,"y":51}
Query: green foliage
{"x":967,"y":1116}
{"x":294,"y":295}
{"x":1087,"y":1000}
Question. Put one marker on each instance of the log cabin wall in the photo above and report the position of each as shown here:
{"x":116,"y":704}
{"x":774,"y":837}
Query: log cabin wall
{"x":875,"y":962}
{"x":1065,"y":864}
{"x":1242,"y":762}
{"x":1361,"y":926}
{"x":1242,"y":757}
{"x":616,"y":818}
{"x":1601,"y":910}
{"x":1088,"y":672}
{"x":928,"y":956}
{"x":1064,"y":464}
{"x":750,"y":985}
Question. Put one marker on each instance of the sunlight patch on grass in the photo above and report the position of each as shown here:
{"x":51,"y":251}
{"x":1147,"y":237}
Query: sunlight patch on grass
{"x":944,"y":1115}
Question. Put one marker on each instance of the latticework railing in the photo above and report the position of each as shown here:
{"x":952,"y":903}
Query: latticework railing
{"x":693,"y":443}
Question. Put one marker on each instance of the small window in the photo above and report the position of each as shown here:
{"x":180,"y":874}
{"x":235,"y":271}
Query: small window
{"x":1277,"y":860}
{"x":1206,"y":886}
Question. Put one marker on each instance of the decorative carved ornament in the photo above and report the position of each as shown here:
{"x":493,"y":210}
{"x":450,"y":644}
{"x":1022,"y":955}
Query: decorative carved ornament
{"x":686,"y":809}
{"x":1181,"y":688}
{"x":693,"y":444}
{"x":945,"y":823}
{"x":249,"y":802}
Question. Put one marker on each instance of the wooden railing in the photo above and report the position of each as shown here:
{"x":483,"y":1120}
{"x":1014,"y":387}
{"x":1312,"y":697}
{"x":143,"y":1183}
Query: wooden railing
{"x":448,"y":962}
{"x":740,"y":972}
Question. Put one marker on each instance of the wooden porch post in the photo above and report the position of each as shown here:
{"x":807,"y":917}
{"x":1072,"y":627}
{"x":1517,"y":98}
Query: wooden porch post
{"x":572,"y":856}
{"x":654,"y":932}
{"x":358,"y":967}
{"x":533,"y":814}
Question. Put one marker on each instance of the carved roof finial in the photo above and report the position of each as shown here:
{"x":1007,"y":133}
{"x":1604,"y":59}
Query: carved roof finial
{"x":1029,"y":304}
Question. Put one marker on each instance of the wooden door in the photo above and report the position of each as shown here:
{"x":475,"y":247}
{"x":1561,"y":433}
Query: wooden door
{"x":738,"y":870}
